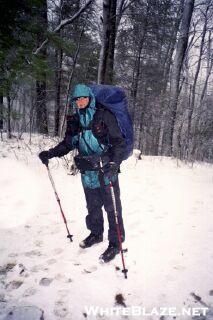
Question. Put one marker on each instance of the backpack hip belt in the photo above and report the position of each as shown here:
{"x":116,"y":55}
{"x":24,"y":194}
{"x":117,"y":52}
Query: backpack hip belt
{"x":92,"y":162}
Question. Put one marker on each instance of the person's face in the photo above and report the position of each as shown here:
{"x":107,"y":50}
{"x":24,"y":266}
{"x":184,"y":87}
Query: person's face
{"x":82,"y":102}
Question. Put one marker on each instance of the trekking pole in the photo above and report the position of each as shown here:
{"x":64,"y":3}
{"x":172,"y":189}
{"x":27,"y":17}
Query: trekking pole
{"x":118,"y":230}
{"x":69,"y":236}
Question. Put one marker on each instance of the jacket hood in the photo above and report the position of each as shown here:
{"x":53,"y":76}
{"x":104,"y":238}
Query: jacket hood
{"x":81,"y":90}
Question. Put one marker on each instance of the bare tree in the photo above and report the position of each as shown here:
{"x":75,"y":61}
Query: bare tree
{"x":63,"y":24}
{"x":1,"y":114}
{"x":9,"y":135}
{"x":41,"y":109}
{"x":201,"y":109}
{"x":58,"y":78}
{"x":177,"y":66}
{"x":106,"y":64}
{"x":192,"y":104}
{"x":137,"y":65}
{"x":166,"y":73}
{"x":70,"y":82}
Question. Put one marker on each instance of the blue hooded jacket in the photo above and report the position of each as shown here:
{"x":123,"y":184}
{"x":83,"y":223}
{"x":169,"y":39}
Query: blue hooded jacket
{"x":87,"y":140}
{"x":87,"y":143}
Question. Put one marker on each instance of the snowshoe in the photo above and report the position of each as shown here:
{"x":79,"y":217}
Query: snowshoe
{"x":109,"y":253}
{"x":91,"y":240}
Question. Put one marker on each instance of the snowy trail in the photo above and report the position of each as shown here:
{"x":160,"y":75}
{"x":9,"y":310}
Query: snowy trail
{"x":169,"y":234}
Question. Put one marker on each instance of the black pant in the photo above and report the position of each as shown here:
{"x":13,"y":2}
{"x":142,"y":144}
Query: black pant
{"x":98,"y":197}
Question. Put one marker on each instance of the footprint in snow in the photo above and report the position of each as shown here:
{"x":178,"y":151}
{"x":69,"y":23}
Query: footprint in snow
{"x":3,"y":305}
{"x":55,"y":231}
{"x":32,"y":253}
{"x":37,"y":268}
{"x":27,"y":226}
{"x":38,"y":243}
{"x":20,"y":269}
{"x":29,"y":292}
{"x":63,"y":293}
{"x":62,"y":278}
{"x":2,"y":297}
{"x":7,"y":267}
{"x":58,"y":251}
{"x":89,"y":269}
{"x":60,"y":309}
{"x":45,"y":282}
{"x":179,"y":268}
{"x":25,"y":312}
{"x":13,"y":255}
{"x":51,"y":261}
{"x":15,"y":284}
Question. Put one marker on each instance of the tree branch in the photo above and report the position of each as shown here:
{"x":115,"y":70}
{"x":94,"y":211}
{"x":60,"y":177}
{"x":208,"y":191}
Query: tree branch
{"x":63,"y":24}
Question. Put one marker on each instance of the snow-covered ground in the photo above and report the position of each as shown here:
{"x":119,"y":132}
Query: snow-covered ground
{"x":167,"y":209}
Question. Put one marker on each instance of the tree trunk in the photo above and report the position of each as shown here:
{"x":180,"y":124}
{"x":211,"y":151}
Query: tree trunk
{"x":41,"y":95}
{"x":41,"y":111}
{"x":112,"y":30}
{"x":177,"y":66}
{"x":208,"y":73}
{"x":136,"y":75}
{"x":135,"y":79}
{"x":58,"y":77}
{"x":191,"y":109}
{"x":209,"y":69}
{"x":106,"y":63}
{"x":1,"y":112}
{"x":9,"y":135}
{"x":166,"y":69}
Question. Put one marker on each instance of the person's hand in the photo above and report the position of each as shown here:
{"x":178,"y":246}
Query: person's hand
{"x":111,"y":170}
{"x":44,"y":157}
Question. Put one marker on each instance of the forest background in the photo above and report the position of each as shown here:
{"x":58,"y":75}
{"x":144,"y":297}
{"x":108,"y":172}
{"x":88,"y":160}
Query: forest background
{"x":159,"y":51}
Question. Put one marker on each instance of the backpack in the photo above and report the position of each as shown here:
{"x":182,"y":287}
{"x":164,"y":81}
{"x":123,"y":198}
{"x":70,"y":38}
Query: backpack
{"x":114,"y":99}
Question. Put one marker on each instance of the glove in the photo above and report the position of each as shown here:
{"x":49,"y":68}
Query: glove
{"x":44,"y":157}
{"x":111,"y":170}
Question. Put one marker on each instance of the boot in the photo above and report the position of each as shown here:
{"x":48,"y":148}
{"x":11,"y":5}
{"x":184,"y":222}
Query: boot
{"x":91,"y":240}
{"x":110,"y":252}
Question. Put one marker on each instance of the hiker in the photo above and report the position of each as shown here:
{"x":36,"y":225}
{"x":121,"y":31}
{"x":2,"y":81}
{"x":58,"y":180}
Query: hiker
{"x":94,"y":131}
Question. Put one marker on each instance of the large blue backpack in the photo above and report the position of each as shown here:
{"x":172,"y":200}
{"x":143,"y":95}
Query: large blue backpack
{"x":114,"y":99}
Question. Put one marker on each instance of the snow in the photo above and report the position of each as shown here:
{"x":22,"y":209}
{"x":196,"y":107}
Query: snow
{"x":167,"y":209}
{"x":19,"y":193}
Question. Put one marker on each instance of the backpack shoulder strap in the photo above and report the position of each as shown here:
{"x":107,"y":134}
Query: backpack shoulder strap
{"x":72,"y":124}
